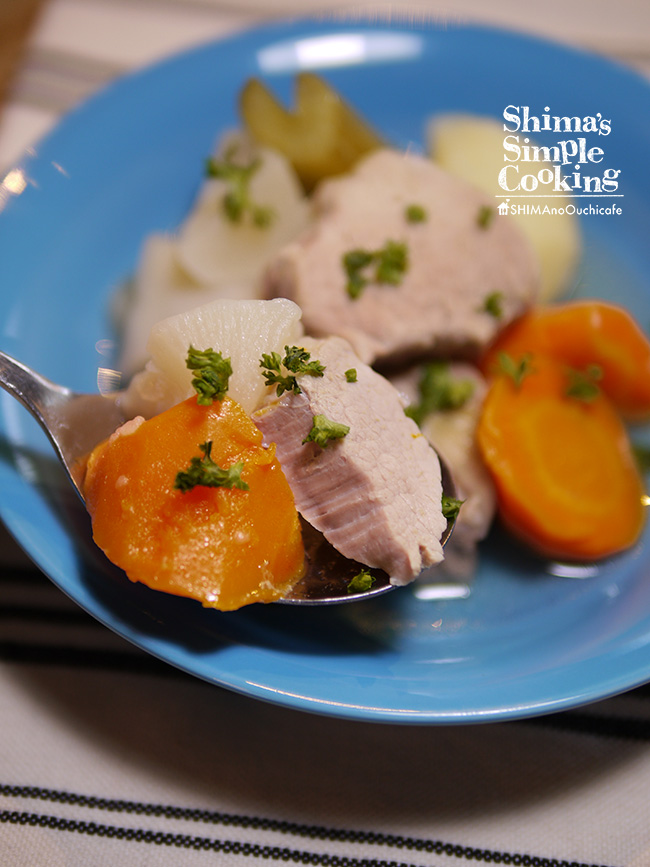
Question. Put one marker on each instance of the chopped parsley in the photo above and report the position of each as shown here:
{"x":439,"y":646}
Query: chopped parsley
{"x":351,"y":374}
{"x":493,"y":304}
{"x":485,"y":216}
{"x":297,"y":361}
{"x":206,"y":473}
{"x":354,"y":262}
{"x":583,"y":383}
{"x":386,"y":265}
{"x":516,"y":370}
{"x":361,"y":582}
{"x":211,"y":374}
{"x":237,"y":201}
{"x":451,"y":507}
{"x":438,"y":390}
{"x":415,"y":214}
{"x":642,"y":456}
{"x":392,"y":263}
{"x":323,"y":431}
{"x":274,"y":376}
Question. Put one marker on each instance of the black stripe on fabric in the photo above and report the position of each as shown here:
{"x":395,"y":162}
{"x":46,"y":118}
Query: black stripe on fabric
{"x":18,"y":575}
{"x":273,"y":853}
{"x":135,"y":663}
{"x":85,"y":657}
{"x":641,"y":691}
{"x":257,"y":823}
{"x":62,"y":616}
{"x":626,"y":728}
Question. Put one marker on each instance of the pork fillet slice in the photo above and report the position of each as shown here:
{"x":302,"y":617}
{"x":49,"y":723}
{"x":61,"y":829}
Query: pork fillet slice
{"x":452,"y":432}
{"x":376,"y":493}
{"x":459,"y":256}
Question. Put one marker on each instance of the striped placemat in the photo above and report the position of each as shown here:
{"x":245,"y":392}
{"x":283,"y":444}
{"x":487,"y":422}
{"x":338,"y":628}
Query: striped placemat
{"x":108,"y":756}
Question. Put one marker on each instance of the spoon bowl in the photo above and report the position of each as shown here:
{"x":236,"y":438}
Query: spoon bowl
{"x":75,"y":423}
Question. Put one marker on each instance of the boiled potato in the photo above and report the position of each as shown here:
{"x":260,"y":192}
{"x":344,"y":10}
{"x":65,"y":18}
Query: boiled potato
{"x":471,"y":147}
{"x":322,"y":137}
{"x":242,"y":330}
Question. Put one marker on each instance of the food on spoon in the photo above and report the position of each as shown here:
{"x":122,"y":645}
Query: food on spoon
{"x":395,"y":287}
{"x":156,"y":514}
{"x":322,"y":137}
{"x":445,"y":399}
{"x":360,"y":470}
{"x":471,"y":147}
{"x":242,"y":330}
{"x":585,"y":335}
{"x":386,"y":461}
{"x":566,"y":478}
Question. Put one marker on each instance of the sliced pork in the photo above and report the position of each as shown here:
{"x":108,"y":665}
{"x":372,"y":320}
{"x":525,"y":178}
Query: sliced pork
{"x":375,"y":492}
{"x":468,"y":270}
{"x":453,"y":433}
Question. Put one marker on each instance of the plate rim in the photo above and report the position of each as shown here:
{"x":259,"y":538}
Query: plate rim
{"x":289,"y":28}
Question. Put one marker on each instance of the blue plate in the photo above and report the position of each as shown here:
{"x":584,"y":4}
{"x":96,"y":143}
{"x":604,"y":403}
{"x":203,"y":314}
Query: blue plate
{"x":526,"y":641}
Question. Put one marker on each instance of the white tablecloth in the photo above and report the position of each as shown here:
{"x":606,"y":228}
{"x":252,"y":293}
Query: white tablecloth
{"x":110,"y":757}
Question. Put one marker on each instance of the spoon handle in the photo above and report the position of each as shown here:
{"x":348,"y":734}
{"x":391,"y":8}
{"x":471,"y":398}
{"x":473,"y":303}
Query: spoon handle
{"x":41,"y":397}
{"x":74,"y":423}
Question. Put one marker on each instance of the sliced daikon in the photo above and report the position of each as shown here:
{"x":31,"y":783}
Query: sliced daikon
{"x":242,"y":330}
{"x":214,"y":247}
{"x":162,"y":288}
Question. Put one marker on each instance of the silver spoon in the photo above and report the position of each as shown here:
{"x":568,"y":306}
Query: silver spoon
{"x":75,"y":423}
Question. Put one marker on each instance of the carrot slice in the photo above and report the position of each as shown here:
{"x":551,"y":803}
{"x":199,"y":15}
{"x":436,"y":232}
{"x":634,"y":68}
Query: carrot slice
{"x":566,"y":479}
{"x":585,"y":333}
{"x":226,"y":547}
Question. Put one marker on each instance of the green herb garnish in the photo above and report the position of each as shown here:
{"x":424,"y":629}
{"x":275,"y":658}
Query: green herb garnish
{"x":323,"y":431}
{"x":642,"y":456}
{"x":415,"y":214}
{"x":237,"y":201}
{"x":583,"y":383}
{"x":516,"y":370}
{"x":354,"y":262}
{"x":438,"y":391}
{"x":362,"y":582}
{"x":450,"y":507}
{"x":206,"y":473}
{"x":493,"y":304}
{"x":351,"y":374}
{"x":485,"y":216}
{"x":386,"y":265}
{"x":392,"y":263}
{"x":274,"y":376}
{"x":211,"y":374}
{"x":296,"y":360}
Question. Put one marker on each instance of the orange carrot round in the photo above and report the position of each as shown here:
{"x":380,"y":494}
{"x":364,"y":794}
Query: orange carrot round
{"x":226,"y":547}
{"x":566,"y":479}
{"x":585,"y":333}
